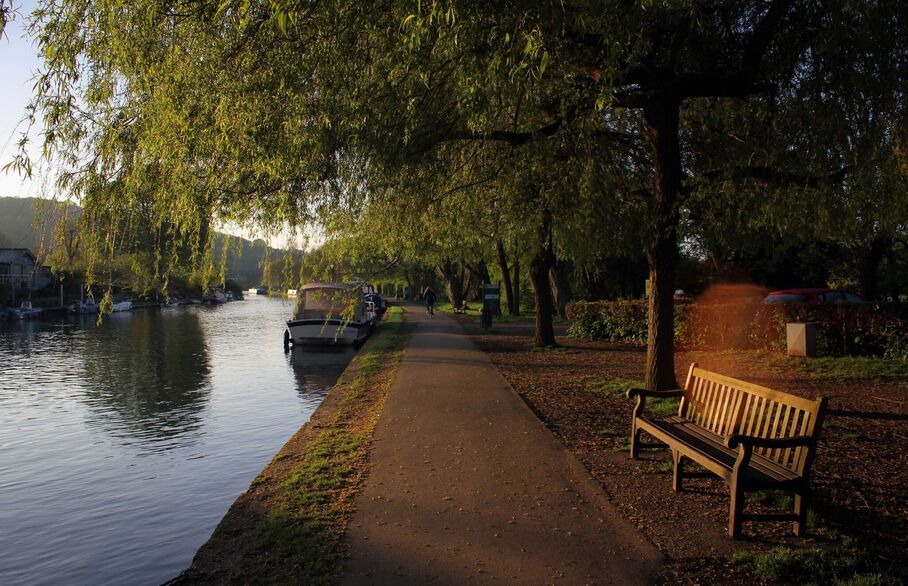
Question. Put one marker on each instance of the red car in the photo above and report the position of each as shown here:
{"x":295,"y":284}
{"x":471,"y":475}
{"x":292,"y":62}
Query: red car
{"x":813,"y":296}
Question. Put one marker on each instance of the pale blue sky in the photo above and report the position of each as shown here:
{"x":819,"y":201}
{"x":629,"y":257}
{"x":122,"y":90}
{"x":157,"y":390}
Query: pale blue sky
{"x":18,"y":65}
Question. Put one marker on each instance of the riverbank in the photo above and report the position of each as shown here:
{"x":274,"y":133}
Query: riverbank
{"x":301,"y":501}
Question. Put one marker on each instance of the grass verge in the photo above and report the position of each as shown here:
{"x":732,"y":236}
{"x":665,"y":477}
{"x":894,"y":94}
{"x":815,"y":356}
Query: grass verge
{"x":288,"y":527}
{"x":823,"y":368}
{"x":847,"y":563}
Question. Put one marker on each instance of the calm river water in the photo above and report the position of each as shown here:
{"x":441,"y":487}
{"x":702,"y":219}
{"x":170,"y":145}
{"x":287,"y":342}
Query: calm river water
{"x":122,"y":446}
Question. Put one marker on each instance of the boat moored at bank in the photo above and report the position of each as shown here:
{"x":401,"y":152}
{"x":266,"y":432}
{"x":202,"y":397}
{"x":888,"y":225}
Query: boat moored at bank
{"x":26,"y":311}
{"x":329,"y":313}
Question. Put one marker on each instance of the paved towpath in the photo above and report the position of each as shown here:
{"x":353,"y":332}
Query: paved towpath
{"x":467,"y":486}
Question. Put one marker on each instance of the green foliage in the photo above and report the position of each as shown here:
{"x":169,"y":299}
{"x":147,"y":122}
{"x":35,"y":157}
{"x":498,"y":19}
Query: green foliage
{"x":430,"y":129}
{"x":614,"y":320}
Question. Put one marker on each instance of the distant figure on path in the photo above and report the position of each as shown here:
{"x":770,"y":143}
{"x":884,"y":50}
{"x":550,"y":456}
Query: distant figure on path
{"x":429,"y":294}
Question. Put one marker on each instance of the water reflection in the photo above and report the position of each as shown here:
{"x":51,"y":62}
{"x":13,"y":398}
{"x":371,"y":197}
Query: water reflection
{"x":147,"y":375}
{"x":122,"y":446}
{"x":316,"y":367}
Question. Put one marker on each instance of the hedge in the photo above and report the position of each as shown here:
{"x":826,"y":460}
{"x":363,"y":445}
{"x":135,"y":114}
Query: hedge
{"x":842,"y":329}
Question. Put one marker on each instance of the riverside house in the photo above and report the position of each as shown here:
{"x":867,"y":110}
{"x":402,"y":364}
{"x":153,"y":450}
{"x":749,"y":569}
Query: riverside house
{"x":20,"y":272}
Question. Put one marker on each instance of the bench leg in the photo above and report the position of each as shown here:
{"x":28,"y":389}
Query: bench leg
{"x":635,"y":441}
{"x":678,"y":472}
{"x":802,"y":497}
{"x":736,"y":510}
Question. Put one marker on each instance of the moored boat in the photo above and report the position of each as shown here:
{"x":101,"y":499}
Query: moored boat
{"x":121,"y":306}
{"x":26,"y":311}
{"x":86,"y":306}
{"x":214,"y":297}
{"x":328,"y":313}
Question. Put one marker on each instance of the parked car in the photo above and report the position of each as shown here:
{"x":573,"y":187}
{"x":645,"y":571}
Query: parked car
{"x":816,"y":295}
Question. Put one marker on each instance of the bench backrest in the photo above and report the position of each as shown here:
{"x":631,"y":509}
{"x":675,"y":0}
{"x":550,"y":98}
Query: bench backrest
{"x":726,"y":406}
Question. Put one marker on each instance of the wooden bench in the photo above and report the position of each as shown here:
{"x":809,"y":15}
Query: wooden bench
{"x":753,"y":437}
{"x":462,"y":308}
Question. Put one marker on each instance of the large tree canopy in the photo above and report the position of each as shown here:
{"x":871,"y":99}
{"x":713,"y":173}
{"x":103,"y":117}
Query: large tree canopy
{"x":286,"y":112}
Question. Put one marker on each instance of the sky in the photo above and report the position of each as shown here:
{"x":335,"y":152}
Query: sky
{"x":18,"y":65}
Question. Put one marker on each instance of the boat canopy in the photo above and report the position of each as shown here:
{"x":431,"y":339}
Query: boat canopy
{"x":329,"y":299}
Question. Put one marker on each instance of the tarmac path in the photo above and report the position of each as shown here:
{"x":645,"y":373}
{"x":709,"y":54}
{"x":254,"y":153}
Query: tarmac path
{"x":467,"y":485}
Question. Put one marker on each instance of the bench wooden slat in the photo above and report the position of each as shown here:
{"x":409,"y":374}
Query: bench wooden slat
{"x":778,"y":424}
{"x":726,"y":397}
{"x":719,"y":459}
{"x":768,"y":470}
{"x":801,"y":402}
{"x":798,"y":460}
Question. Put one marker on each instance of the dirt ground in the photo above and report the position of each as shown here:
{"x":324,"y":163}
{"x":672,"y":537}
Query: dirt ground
{"x":860,"y":476}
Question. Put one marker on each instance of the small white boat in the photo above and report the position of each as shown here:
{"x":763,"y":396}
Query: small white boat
{"x":86,"y":306}
{"x":257,"y":291}
{"x":122,"y":306}
{"x":26,"y":311}
{"x":328,"y":313}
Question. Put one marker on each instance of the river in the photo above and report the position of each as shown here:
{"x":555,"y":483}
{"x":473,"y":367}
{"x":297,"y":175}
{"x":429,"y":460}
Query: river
{"x":122,"y":446}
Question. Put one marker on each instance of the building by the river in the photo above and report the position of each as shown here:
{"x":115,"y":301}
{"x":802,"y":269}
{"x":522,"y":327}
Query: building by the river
{"x":21,"y":273}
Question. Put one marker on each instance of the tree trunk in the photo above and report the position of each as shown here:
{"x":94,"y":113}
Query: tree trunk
{"x":479,"y":274}
{"x":516,"y":281}
{"x":481,"y":271}
{"x":560,"y":277}
{"x":452,"y":280}
{"x":662,"y":251}
{"x":506,"y":276}
{"x":539,"y":275}
{"x":869,"y":266}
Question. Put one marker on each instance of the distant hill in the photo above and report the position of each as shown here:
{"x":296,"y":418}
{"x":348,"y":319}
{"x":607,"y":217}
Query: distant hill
{"x":27,"y":222}
{"x":18,"y":226}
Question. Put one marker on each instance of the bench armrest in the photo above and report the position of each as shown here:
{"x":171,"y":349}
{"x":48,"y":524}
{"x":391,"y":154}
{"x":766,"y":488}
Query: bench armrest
{"x":631,"y":393}
{"x":732,"y":441}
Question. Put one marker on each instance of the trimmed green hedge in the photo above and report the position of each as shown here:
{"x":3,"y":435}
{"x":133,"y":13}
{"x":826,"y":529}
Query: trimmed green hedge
{"x":860,"y":330}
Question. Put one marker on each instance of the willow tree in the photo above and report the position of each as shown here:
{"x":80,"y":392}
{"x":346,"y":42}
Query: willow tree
{"x":7,"y":13}
{"x":247,"y":111}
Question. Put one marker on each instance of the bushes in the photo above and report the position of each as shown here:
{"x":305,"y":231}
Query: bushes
{"x":611,"y":320}
{"x":842,"y":330}
{"x":862,"y":330}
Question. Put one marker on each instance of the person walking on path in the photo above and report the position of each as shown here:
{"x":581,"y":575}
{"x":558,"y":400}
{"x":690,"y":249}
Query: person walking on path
{"x":429,"y":295}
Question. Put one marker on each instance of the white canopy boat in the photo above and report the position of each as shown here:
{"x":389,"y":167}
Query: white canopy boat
{"x":122,"y":306}
{"x":26,"y":311}
{"x":328,"y":313}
